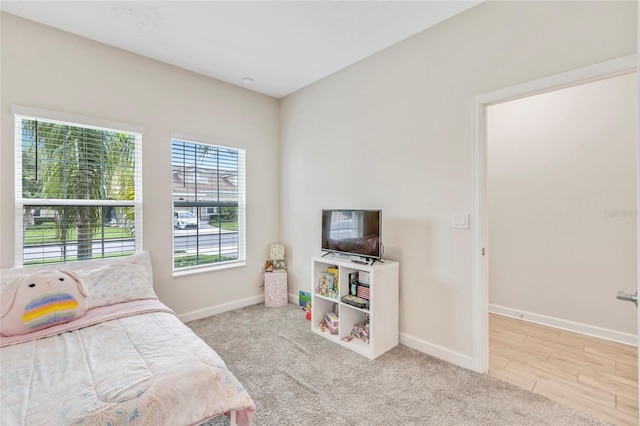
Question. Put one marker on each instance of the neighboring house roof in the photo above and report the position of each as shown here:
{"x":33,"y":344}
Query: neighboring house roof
{"x":185,"y":181}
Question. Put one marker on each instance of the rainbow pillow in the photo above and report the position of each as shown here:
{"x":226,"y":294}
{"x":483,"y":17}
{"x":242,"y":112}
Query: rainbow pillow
{"x":41,"y":300}
{"x":50,"y":309}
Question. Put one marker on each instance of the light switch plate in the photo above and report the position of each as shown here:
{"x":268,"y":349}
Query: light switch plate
{"x":460,"y":220}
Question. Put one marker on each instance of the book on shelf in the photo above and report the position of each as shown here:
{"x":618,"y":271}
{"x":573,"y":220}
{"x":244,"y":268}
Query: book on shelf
{"x":364,"y":277}
{"x":335,"y":272}
{"x":327,"y":285}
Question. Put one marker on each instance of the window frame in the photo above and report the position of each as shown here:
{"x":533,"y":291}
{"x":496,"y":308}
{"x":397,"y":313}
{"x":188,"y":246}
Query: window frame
{"x":242,"y":204}
{"x":20,"y":112}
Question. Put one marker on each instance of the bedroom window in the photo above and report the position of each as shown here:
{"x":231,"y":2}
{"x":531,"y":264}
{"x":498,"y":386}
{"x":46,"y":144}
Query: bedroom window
{"x":208,"y":192}
{"x":78,"y":188}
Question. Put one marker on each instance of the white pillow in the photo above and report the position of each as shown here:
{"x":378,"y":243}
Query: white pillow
{"x":107,"y":281}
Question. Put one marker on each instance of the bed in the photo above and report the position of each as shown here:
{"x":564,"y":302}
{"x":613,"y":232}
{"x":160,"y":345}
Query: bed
{"x":127,"y":360}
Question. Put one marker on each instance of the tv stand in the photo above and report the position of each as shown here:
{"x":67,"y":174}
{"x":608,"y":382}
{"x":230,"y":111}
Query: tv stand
{"x":381,"y":283}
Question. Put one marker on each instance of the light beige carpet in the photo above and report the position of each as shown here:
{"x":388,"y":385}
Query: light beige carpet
{"x":298,"y":378}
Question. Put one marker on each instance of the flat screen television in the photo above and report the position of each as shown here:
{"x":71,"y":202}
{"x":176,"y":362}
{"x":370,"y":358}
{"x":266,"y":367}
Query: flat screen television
{"x":352,"y":232}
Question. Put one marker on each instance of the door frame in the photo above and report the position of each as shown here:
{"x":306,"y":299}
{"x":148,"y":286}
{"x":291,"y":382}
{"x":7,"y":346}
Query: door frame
{"x":479,"y":225}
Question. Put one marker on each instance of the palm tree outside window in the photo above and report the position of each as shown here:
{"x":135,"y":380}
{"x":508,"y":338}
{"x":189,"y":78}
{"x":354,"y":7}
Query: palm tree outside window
{"x":78,"y":192}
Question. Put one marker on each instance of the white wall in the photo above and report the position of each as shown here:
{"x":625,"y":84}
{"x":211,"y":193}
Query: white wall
{"x":561,"y":203}
{"x":394,"y":132}
{"x":49,"y":69}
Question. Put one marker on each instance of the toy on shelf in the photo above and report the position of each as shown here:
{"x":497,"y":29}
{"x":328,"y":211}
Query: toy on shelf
{"x":279,"y":265}
{"x":331,"y":319}
{"x":361,"y":330}
{"x":353,"y":283}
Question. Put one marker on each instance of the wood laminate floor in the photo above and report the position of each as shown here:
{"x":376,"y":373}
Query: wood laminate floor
{"x":591,"y":375}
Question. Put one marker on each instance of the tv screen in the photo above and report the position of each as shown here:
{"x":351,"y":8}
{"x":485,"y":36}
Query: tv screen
{"x":354,"y":232}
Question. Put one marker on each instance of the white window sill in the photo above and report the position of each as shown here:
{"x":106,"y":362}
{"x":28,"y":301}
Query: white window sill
{"x":208,"y":268}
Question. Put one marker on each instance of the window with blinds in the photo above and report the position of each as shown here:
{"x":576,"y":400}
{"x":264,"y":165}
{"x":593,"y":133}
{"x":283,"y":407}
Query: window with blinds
{"x":78,"y":191}
{"x":208,"y":190}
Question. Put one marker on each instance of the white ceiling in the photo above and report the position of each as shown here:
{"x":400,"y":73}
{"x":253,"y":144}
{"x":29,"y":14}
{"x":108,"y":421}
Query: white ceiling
{"x":281,"y":45}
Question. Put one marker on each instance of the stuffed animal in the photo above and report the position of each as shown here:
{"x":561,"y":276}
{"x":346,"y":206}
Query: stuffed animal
{"x":41,"y":300}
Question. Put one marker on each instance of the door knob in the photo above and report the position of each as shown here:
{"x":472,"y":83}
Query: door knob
{"x":628,"y":297}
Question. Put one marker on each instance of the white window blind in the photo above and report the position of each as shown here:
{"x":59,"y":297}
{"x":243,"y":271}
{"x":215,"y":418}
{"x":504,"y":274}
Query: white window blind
{"x":208,"y":192}
{"x":78,"y":190}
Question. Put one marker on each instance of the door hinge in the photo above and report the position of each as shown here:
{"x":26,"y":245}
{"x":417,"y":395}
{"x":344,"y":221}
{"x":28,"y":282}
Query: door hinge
{"x":483,"y":251}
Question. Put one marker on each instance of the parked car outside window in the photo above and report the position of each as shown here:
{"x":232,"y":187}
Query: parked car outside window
{"x":184,"y":219}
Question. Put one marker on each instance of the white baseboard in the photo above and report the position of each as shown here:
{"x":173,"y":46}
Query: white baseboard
{"x":218,"y":309}
{"x":457,"y":358}
{"x":293,"y":298}
{"x":576,"y":327}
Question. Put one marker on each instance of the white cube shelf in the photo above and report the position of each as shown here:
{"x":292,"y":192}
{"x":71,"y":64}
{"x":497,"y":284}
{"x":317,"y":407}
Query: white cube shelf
{"x":383,"y":304}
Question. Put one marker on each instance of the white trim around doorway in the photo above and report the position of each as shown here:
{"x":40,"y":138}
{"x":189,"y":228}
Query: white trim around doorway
{"x":480,"y":249}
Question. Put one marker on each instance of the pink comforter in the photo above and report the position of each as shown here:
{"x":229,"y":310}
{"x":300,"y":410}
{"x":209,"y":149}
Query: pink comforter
{"x":132,"y":363}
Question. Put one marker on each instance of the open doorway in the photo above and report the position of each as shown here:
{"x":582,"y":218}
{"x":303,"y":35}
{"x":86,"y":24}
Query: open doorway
{"x":561,"y":216}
